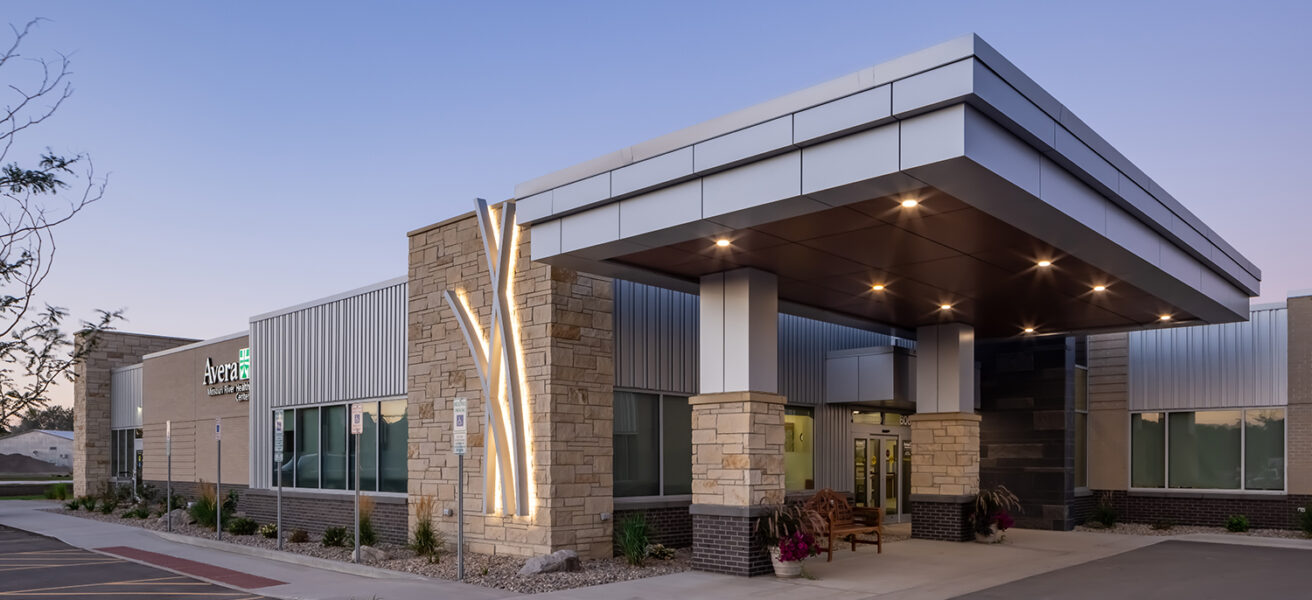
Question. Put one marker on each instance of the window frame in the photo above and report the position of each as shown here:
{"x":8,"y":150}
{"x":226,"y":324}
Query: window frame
{"x":1075,"y":410}
{"x":660,"y":447}
{"x":1243,"y":451}
{"x":319,"y":489}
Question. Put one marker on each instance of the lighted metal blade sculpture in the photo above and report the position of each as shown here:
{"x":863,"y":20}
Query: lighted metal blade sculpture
{"x":505,"y":467}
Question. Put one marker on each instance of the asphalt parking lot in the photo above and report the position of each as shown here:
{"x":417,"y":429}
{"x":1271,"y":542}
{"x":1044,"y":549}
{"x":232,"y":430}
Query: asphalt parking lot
{"x":33,"y":566}
{"x":1170,"y":570}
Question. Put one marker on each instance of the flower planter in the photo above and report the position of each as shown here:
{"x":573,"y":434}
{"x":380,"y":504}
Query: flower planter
{"x":785,"y":569}
{"x":994,"y":536}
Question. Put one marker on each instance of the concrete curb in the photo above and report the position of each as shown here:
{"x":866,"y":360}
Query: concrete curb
{"x":1244,"y":540}
{"x":293,"y":558}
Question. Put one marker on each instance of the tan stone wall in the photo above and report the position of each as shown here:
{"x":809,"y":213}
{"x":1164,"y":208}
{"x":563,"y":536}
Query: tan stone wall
{"x":566,"y":336}
{"x":1109,"y":417}
{"x":172,"y":390}
{"x":944,"y":454}
{"x":737,"y":448}
{"x":91,"y":426}
{"x":1299,"y":419}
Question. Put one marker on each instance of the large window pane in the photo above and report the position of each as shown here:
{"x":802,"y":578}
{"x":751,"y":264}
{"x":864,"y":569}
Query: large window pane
{"x":307,"y":448}
{"x":369,"y":459}
{"x":799,"y":456}
{"x":393,"y":437}
{"x":1204,"y":449}
{"x":637,"y":444}
{"x":1264,"y":449}
{"x":288,"y":466}
{"x":676,"y":448}
{"x":1081,"y":389}
{"x":1081,"y":449}
{"x":1147,"y":450}
{"x":333,"y":445}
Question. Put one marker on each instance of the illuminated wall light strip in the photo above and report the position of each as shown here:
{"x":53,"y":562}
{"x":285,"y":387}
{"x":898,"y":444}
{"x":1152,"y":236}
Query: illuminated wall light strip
{"x":499,"y":358}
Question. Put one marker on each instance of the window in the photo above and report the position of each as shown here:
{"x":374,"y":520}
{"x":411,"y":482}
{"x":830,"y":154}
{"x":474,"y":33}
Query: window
{"x":1081,"y":427}
{"x":653,"y":444}
{"x":799,"y":453}
{"x":1209,"y":450}
{"x":319,"y":451}
{"x":122,"y":453}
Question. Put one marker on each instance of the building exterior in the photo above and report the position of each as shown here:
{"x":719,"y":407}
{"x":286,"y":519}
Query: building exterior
{"x":48,"y":445}
{"x":903,"y":284}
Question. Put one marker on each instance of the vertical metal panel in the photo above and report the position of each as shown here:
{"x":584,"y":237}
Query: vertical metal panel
{"x":803,"y":344}
{"x":833,"y":447}
{"x":125,"y":397}
{"x":343,"y":348}
{"x":656,"y":342}
{"x":1212,"y":366}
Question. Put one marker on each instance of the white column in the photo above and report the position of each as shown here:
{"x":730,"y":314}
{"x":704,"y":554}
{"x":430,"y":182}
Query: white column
{"x":739,"y":332}
{"x":945,"y":369}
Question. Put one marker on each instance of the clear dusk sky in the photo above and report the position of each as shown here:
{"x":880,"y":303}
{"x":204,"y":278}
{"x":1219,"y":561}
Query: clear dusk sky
{"x":268,"y":153}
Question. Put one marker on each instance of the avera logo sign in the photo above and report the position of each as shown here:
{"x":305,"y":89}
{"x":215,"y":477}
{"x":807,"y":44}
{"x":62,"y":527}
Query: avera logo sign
{"x":505,"y":463}
{"x":224,"y":376}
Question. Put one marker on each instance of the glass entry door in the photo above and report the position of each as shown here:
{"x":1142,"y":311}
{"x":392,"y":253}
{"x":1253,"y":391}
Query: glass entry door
{"x":881,"y":463}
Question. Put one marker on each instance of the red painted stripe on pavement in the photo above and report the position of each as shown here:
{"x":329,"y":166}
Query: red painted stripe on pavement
{"x":191,"y":567}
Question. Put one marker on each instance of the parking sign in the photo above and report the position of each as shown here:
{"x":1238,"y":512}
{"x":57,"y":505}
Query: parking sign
{"x":357,"y":419}
{"x":459,"y":437}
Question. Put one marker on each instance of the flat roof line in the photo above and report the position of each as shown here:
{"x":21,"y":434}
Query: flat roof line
{"x":202,"y":343}
{"x":333,"y":298}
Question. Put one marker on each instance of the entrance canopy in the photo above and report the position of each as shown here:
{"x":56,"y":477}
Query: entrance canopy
{"x":943,"y":186}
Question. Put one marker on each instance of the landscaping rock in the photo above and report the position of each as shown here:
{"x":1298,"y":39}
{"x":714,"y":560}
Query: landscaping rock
{"x":180,"y":517}
{"x":558,"y":561}
{"x":370,"y":554}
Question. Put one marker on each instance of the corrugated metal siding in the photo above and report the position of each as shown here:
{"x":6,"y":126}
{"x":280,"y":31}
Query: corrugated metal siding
{"x":803,"y":345}
{"x":1212,"y":366}
{"x":655,"y":338}
{"x":350,"y":348}
{"x":656,"y":344}
{"x":125,"y":398}
{"x":833,"y":447}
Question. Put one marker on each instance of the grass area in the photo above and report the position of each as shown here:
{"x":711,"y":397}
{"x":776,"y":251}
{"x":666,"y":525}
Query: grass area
{"x":33,"y":477}
{"x":32,"y":497}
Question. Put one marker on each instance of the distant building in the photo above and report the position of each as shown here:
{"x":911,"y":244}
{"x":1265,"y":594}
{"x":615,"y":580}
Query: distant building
{"x":48,"y":445}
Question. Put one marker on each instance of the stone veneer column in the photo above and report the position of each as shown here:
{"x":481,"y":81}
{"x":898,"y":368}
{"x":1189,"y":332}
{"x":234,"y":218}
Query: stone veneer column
{"x":1299,"y":417}
{"x":737,"y":422}
{"x":944,"y":434}
{"x":568,"y":356}
{"x":91,"y":408}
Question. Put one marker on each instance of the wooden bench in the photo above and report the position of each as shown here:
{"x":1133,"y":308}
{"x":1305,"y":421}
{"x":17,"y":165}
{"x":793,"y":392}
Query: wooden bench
{"x":842,"y":520}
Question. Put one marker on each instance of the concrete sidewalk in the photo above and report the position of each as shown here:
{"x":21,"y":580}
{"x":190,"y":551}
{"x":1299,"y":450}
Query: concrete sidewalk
{"x":302,"y":582}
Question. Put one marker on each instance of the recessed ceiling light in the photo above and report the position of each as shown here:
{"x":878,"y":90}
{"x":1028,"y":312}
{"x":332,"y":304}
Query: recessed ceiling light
{"x":910,"y":203}
{"x":1029,"y":330}
{"x":1099,"y":288}
{"x":945,"y":307}
{"x":1164,"y":318}
{"x":1045,"y":263}
{"x":878,"y":287}
{"x":722,"y":243}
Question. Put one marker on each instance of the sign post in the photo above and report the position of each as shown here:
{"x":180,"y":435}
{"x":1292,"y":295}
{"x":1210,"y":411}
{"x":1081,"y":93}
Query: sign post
{"x":168,"y":483}
{"x":277,"y":459}
{"x":218,"y":477}
{"x":357,"y":428}
{"x":459,"y":438}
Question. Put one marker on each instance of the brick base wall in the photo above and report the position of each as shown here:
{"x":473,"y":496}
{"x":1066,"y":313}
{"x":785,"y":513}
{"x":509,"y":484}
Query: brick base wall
{"x":1082,"y":508}
{"x":1266,"y":512}
{"x":946,"y":520}
{"x":671,"y":526}
{"x":727,"y":544}
{"x":309,"y":511}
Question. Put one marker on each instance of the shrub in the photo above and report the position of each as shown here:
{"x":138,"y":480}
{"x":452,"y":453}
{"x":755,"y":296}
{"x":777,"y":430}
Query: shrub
{"x":179,"y":501}
{"x":241,"y":526}
{"x":204,"y":512}
{"x":1305,"y":520}
{"x":298,"y":536}
{"x":73,"y":504}
{"x":59,"y":491}
{"x":368,"y":537}
{"x":137,"y":512}
{"x":335,"y":537}
{"x":269,"y":530}
{"x":1104,"y":513}
{"x":660,"y":552}
{"x":632,"y":537}
{"x":991,"y":509}
{"x":88,"y":502}
{"x":1237,"y":523}
{"x":425,"y":540}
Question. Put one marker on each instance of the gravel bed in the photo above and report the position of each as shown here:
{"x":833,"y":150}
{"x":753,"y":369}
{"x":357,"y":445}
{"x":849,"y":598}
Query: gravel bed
{"x":495,"y":571}
{"x":1145,"y":529}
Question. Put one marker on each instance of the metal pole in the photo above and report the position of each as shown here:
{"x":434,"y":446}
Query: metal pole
{"x":357,"y":497}
{"x":279,"y":525}
{"x":168,"y":485}
{"x":460,"y":518}
{"x":218,"y":489}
